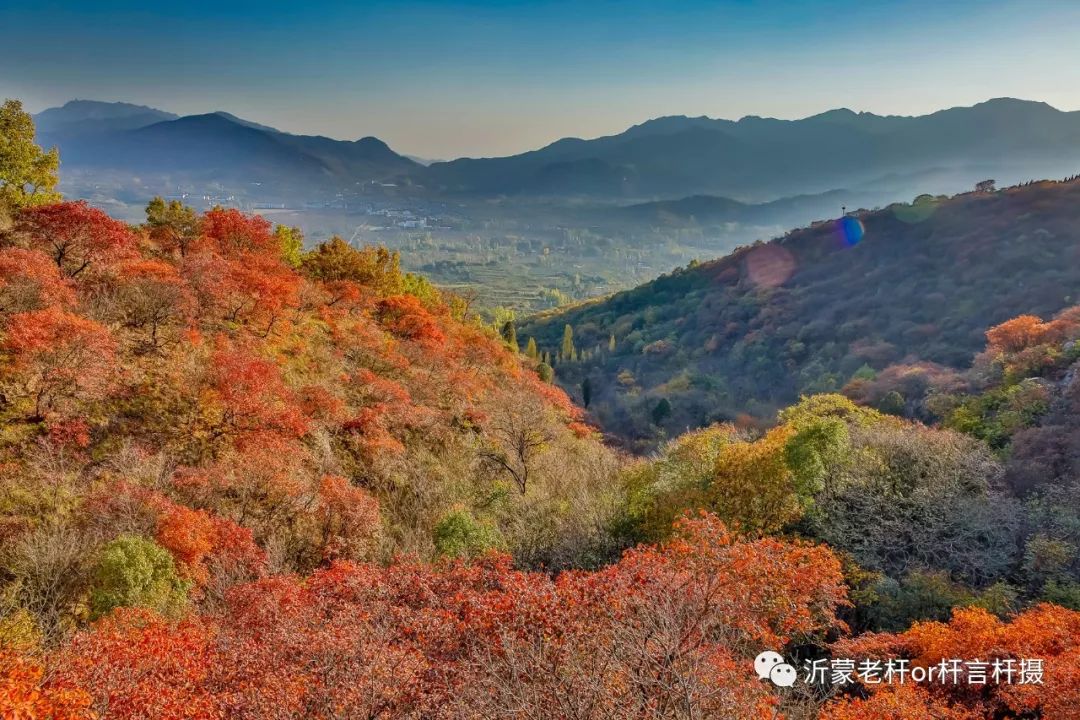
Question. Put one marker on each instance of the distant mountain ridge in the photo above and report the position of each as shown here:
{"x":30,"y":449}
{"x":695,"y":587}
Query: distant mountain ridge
{"x":215,"y":146}
{"x":752,"y":160}
{"x":81,"y":117}
{"x":764,"y":158}
{"x":706,"y":210}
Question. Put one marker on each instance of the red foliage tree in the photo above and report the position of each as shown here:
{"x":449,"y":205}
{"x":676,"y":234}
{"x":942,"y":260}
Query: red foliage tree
{"x":1047,"y":633}
{"x":209,"y":549}
{"x":406,"y":317}
{"x":349,"y":517}
{"x":899,"y":702}
{"x":233,"y":234}
{"x":254,"y":290}
{"x":247,"y":402}
{"x":75,"y":235}
{"x":237,"y":274}
{"x":138,"y":666}
{"x":665,"y":630}
{"x":53,"y":355}
{"x":189,"y":536}
{"x":1016,"y":334}
{"x":29,"y":280}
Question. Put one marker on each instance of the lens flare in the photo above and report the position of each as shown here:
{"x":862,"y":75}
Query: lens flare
{"x":851,"y":230}
{"x":769,"y":265}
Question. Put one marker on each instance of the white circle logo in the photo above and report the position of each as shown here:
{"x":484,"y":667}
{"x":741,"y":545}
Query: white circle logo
{"x":765,"y":662}
{"x":783,"y":675}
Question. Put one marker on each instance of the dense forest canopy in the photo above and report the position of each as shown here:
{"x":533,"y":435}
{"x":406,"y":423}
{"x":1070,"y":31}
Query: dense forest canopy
{"x":242,"y":479}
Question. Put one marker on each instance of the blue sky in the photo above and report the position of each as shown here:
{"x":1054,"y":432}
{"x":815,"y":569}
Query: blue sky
{"x":445,"y":79}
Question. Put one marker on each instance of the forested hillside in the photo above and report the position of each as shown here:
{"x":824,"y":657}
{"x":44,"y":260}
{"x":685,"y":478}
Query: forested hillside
{"x":195,"y":404}
{"x":242,"y":480}
{"x":1020,"y":397}
{"x":750,"y":332}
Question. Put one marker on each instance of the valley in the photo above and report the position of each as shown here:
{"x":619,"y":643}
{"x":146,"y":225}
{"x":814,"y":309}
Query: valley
{"x":570,"y":221}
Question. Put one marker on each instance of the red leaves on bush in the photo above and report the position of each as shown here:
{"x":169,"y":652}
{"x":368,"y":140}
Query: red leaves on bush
{"x":23,"y":697}
{"x":1046,"y":632}
{"x":53,"y":355}
{"x":406,"y":317}
{"x":30,"y":280}
{"x":75,"y":235}
{"x":1016,"y":334}
{"x":232,"y":234}
{"x":666,"y":625}
{"x":248,"y":401}
{"x":349,"y":517}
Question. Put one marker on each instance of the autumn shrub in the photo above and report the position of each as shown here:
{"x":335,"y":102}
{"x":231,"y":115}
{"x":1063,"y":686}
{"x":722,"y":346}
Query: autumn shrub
{"x":459,"y":534}
{"x":1062,"y":592}
{"x":1044,"y":633}
{"x":18,"y":632}
{"x":135,"y":572}
{"x":48,"y":571}
{"x":915,"y":498}
{"x":671,"y":628}
{"x":23,"y":695}
{"x":661,"y":488}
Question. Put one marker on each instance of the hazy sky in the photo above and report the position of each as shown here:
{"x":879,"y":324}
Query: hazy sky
{"x":442,"y":79}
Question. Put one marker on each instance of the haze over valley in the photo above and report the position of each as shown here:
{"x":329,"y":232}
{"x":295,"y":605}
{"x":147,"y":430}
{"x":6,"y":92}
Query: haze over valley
{"x":572,"y":220}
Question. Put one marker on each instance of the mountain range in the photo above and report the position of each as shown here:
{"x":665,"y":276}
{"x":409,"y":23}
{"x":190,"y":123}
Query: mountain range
{"x":763,"y":158}
{"x":754,"y":159}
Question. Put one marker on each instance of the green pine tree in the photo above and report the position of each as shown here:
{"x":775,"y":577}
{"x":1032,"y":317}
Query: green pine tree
{"x":568,"y":351}
{"x":662,"y":411}
{"x":509,"y":333}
